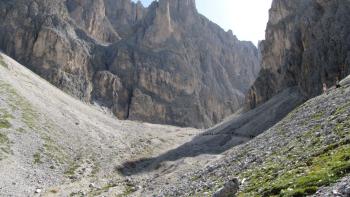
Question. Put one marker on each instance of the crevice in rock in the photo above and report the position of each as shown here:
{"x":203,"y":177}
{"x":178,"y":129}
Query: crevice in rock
{"x":131,"y":95}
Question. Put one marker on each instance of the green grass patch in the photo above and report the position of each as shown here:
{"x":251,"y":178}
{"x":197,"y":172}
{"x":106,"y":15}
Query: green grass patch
{"x":71,"y":169}
{"x":2,"y":62}
{"x":52,"y":150}
{"x":37,"y":158}
{"x":3,"y":139}
{"x":95,"y":168}
{"x":4,"y":124}
{"x":31,"y":119}
{"x":104,"y":188}
{"x":342,"y":109}
{"x":129,"y":189}
{"x":19,"y":103}
{"x":317,"y":116}
{"x":5,"y":147}
{"x":321,"y":170}
{"x":4,"y":119}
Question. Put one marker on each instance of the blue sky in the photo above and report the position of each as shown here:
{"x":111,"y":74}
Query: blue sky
{"x":246,"y":18}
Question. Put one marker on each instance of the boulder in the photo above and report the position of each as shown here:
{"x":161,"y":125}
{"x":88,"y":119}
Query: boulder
{"x":345,"y":82}
{"x":230,"y":189}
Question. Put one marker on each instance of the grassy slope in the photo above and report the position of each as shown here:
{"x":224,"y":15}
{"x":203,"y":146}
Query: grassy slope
{"x":318,"y":154}
{"x":308,"y":149}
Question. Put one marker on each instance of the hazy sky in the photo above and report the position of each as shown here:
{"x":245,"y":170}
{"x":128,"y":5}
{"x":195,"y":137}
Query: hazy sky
{"x":246,"y":18}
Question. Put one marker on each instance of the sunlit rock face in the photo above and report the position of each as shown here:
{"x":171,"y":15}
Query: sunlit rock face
{"x":162,"y":64}
{"x":307,"y":43}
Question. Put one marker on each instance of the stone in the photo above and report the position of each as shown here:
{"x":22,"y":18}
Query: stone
{"x":345,"y":81}
{"x":347,"y":191}
{"x":335,"y":192}
{"x":92,"y":185}
{"x":162,"y":64}
{"x":230,"y":189}
{"x":37,"y":191}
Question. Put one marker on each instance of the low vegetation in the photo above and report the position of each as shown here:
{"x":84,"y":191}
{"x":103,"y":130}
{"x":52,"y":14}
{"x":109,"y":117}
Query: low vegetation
{"x":5,"y":147}
{"x":37,"y":158}
{"x":31,"y":119}
{"x":71,"y":169}
{"x":5,"y":118}
{"x":129,"y":189}
{"x":307,"y":162}
{"x":2,"y":62}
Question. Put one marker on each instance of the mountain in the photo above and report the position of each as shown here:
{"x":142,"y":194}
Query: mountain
{"x":51,"y":144}
{"x":307,"y":44}
{"x":162,"y":64}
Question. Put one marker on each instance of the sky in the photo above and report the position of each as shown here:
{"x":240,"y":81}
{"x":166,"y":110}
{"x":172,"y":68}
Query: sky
{"x":246,"y":18}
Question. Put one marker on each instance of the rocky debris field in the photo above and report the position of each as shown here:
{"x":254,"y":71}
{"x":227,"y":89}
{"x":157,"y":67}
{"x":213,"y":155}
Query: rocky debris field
{"x":342,"y":188}
{"x":306,"y":153}
{"x":54,"y":145}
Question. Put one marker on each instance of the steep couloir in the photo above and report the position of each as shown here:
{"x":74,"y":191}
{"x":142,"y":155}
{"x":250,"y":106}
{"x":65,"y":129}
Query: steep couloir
{"x":161,"y":64}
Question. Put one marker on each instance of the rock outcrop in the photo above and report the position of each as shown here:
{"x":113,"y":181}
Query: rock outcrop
{"x":161,"y":64}
{"x":230,"y":189}
{"x":307,"y":44}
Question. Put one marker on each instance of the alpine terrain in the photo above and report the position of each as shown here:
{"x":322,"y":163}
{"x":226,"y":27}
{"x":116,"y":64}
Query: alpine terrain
{"x":111,"y":98}
{"x":162,"y":64}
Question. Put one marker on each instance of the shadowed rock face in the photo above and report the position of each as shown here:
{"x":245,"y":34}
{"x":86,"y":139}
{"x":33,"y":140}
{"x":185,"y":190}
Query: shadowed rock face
{"x":161,"y":64}
{"x":307,"y":43}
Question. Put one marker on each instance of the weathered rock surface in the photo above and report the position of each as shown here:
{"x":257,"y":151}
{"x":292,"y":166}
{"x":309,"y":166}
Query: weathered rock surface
{"x":307,"y":43}
{"x":230,"y":189}
{"x":162,"y":64}
{"x":341,"y":189}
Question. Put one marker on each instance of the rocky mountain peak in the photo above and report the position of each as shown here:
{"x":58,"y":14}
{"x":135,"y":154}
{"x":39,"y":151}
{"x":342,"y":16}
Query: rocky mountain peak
{"x":162,"y":64}
{"x":177,"y":10}
{"x":179,"y":4}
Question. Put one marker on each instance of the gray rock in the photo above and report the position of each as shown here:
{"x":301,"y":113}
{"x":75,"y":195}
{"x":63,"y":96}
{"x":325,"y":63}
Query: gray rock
{"x":161,"y":64}
{"x":347,"y":191}
{"x":37,"y":191}
{"x":230,"y":189}
{"x":303,"y":48}
{"x":92,"y":185}
{"x":345,"y":81}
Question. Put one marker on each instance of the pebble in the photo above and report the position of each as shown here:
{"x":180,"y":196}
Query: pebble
{"x":91,"y":185}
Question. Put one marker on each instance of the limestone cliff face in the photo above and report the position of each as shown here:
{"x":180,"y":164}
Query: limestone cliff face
{"x":162,"y":64}
{"x":307,"y":43}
